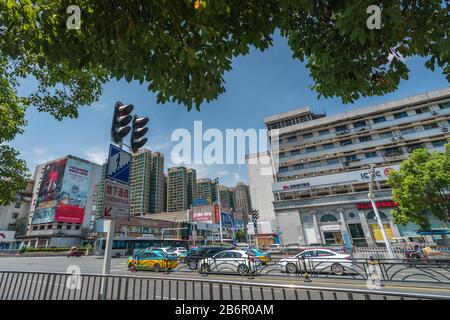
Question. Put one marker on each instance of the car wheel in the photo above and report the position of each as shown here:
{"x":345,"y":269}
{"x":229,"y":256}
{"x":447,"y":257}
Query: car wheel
{"x":192,"y":265}
{"x":291,"y":268}
{"x":337,"y":269}
{"x":205,"y":268}
{"x":157,"y":267}
{"x":242,"y":269}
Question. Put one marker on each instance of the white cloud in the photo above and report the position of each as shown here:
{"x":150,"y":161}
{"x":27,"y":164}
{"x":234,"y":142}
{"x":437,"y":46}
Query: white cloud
{"x":96,"y":156}
{"x":40,"y":151}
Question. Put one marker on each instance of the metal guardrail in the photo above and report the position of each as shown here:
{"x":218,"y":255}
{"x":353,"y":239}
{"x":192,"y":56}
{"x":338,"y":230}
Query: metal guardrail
{"x":62,"y":286}
{"x":398,"y":270}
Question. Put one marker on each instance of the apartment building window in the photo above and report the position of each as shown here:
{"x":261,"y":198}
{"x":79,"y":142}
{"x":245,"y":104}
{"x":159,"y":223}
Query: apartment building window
{"x":299,"y":166}
{"x":359,"y":124}
{"x":422,"y":110}
{"x":295,"y":152}
{"x":351,"y":158}
{"x":393,"y":151}
{"x":311,"y":149}
{"x":17,"y":205}
{"x":365,"y":138}
{"x":15,"y":216}
{"x":59,"y":226}
{"x":444,"y":105}
{"x":328,"y":146}
{"x":292,"y":139}
{"x":430,"y":126}
{"x":341,"y":128}
{"x":324,"y":132}
{"x":41,"y":227}
{"x":385,"y":135}
{"x":415,"y":146}
{"x":315,"y":164}
{"x":332,"y":161}
{"x":69,"y":227}
{"x":346,"y":142}
{"x":407,"y":130}
{"x":283,"y":169}
{"x":35,"y":227}
{"x":307,"y":135}
{"x":379,"y":119}
{"x":77,"y":227}
{"x":282,"y":155}
{"x":440,"y":143}
{"x":49,"y":226}
{"x":371,"y":154}
{"x":400,"y":115}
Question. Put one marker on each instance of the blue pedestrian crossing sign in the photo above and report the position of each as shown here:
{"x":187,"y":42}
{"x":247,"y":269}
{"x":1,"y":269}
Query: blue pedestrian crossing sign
{"x":119,"y":165}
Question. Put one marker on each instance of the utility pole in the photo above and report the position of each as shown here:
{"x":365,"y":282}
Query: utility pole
{"x":371,"y":197}
{"x":220,"y":212}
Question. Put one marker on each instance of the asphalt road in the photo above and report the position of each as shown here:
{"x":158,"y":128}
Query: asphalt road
{"x":93,"y":265}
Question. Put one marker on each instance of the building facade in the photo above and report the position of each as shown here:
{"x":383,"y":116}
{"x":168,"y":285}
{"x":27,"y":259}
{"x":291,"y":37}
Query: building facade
{"x":242,"y":195}
{"x":192,"y":185}
{"x":15,"y":215}
{"x":157,"y":183}
{"x":177,"y":189}
{"x":206,"y":190}
{"x":140,"y":182}
{"x":320,"y":192}
{"x":63,"y":202}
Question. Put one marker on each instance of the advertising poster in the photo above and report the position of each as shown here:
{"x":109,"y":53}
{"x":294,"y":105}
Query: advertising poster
{"x":202,"y":217}
{"x":74,"y":192}
{"x":227,"y":220}
{"x":49,"y":192}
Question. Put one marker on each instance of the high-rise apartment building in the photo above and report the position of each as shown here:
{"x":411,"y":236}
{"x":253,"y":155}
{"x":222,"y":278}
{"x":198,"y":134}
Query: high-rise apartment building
{"x":192,"y":185}
{"x":140,"y":182}
{"x":177,"y":189}
{"x":226,"y":196}
{"x":322,"y":178}
{"x":157,"y":183}
{"x":207,"y":190}
{"x":242,"y":195}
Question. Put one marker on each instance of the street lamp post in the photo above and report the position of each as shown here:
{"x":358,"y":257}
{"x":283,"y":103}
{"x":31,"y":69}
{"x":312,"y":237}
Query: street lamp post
{"x":371,"y":197}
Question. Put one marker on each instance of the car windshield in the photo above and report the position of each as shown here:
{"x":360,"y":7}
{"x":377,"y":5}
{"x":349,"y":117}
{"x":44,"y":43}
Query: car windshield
{"x":171,"y":249}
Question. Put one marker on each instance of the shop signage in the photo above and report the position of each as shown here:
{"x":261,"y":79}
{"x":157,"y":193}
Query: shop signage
{"x":380,"y":204}
{"x":334,"y":227}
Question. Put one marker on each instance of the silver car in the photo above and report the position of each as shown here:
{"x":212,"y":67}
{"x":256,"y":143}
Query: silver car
{"x":317,"y":260}
{"x":240,"y":261}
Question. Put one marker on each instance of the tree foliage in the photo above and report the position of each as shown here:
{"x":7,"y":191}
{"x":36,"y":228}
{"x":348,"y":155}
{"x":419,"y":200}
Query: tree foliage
{"x":182,"y":49}
{"x":422,"y":186}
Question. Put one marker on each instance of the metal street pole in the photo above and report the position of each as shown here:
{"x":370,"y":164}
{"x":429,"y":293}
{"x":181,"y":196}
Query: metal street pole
{"x":220,"y":213}
{"x":107,"y":257}
{"x":377,"y":214}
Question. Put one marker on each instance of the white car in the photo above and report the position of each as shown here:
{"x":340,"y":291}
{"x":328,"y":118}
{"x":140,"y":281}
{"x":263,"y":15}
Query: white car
{"x":178,"y":250}
{"x":317,"y":260}
{"x":240,"y":261}
{"x":162,"y":249}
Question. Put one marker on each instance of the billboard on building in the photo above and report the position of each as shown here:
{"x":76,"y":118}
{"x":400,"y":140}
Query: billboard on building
{"x":202,"y":216}
{"x":74,"y":192}
{"x":49,"y":191}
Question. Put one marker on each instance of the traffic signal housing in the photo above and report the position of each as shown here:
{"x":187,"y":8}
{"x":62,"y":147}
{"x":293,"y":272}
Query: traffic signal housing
{"x":138,"y":130}
{"x":121,"y":120}
{"x":255,"y":217}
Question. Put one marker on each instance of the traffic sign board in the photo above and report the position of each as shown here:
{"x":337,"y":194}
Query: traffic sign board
{"x":116,"y":201}
{"x":119,"y":164}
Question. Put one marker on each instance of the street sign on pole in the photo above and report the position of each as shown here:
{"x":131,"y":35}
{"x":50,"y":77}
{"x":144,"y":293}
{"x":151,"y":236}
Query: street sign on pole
{"x":116,"y":201}
{"x":119,"y":165}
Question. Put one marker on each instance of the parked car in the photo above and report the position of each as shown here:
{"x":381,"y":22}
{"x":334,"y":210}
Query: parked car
{"x":195,"y":255}
{"x":320,"y":260}
{"x":154,"y":260}
{"x":240,"y":261}
{"x":176,"y":250}
{"x":264,"y":257}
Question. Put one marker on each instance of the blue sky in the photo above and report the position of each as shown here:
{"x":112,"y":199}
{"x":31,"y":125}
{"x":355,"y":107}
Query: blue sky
{"x":260,"y":84}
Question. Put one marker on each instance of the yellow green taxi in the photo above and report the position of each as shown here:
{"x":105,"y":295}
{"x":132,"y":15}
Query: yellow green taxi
{"x":264,"y":257}
{"x":152,"y":261}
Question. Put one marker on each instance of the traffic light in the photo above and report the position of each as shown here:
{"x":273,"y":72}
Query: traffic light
{"x":138,"y":130}
{"x":121,"y":120}
{"x":255,"y":217}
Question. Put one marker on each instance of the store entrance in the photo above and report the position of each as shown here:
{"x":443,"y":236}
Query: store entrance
{"x":332,"y":238}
